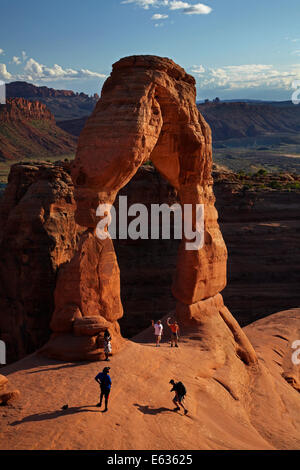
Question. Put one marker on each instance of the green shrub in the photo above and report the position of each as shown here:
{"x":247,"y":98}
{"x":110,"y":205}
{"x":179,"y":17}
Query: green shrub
{"x":275,"y":185}
{"x":262,"y":172}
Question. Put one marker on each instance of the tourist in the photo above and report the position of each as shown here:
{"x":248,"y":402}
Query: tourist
{"x":104,"y":381}
{"x":180,"y":392}
{"x":174,"y":327}
{"x":158,"y":331}
{"x":107,"y":344}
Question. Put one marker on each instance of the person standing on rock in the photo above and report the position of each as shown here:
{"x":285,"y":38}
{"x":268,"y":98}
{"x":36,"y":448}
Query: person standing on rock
{"x":158,"y":331}
{"x":104,"y":381}
{"x":180,"y":392}
{"x":107,"y":344}
{"x":174,"y":327}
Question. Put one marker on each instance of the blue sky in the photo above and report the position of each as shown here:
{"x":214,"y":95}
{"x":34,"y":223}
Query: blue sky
{"x":234,"y":48}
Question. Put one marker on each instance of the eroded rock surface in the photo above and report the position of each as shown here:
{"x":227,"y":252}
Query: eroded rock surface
{"x":147,"y":111}
{"x":7,"y":395}
{"x":37,"y":235}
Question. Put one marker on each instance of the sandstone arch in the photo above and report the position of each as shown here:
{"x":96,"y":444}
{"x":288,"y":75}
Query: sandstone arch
{"x":147,"y":111}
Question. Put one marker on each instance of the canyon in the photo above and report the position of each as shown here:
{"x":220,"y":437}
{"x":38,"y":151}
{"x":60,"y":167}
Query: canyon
{"x":256,"y":223}
{"x":243,"y":386}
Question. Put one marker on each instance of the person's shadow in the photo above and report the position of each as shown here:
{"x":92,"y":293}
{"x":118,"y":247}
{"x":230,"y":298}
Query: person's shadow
{"x":56,"y":414}
{"x":151,"y":411}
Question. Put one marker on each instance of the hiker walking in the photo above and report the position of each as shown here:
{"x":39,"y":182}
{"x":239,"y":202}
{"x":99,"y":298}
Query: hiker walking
{"x":180,"y":392}
{"x":104,"y":381}
{"x":158,"y":331}
{"x":107,"y":344}
{"x":174,"y":327}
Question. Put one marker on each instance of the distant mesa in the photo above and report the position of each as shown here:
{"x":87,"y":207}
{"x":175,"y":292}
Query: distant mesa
{"x":240,"y":120}
{"x":27,"y":90}
{"x":28,"y":130}
{"x":64,"y":104}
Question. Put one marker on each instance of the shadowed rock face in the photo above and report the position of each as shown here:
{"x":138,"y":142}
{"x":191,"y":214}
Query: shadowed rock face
{"x":37,"y":235}
{"x":147,"y":111}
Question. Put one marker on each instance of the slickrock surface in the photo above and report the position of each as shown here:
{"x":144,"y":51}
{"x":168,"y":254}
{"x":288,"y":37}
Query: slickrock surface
{"x":231,"y":405}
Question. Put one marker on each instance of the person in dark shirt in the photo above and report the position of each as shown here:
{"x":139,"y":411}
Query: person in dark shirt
{"x":180,"y":393}
{"x":104,"y":381}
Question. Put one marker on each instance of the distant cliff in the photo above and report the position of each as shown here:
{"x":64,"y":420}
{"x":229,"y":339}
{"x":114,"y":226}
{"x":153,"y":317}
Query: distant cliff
{"x":63,"y":104}
{"x":244,"y":120}
{"x":28,"y":130}
{"x":259,"y":218}
{"x":27,"y":90}
{"x":19,"y":109}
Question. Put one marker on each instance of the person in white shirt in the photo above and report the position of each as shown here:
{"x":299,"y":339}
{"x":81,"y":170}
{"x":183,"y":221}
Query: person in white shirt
{"x":158,"y":331}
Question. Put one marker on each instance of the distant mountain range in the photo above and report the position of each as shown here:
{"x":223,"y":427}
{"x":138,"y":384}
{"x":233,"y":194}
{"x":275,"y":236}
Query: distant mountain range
{"x":231,"y":120}
{"x":243,"y":100}
{"x":64,"y":104}
{"x":244,"y":124}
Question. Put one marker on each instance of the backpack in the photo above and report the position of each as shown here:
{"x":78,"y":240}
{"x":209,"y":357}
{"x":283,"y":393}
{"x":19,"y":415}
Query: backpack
{"x":181,"y":390}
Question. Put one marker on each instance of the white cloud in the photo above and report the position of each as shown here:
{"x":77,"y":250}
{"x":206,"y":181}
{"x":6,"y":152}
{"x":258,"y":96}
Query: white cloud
{"x":36,"y":71}
{"x":33,"y":71}
{"x":1,"y":51}
{"x":185,"y":7}
{"x":296,"y":52}
{"x":198,"y":69}
{"x":245,"y":76}
{"x":34,"y":68}
{"x":188,"y":9}
{"x":178,"y":5}
{"x":16,"y":60}
{"x":146,"y":4}
{"x":158,"y":16}
{"x":4,"y":74}
{"x":198,"y":9}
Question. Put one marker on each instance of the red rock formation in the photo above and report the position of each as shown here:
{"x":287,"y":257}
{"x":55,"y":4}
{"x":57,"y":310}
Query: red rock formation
{"x":253,"y":233}
{"x":19,"y":109}
{"x":147,"y":111}
{"x":7,"y":396}
{"x":37,"y":235}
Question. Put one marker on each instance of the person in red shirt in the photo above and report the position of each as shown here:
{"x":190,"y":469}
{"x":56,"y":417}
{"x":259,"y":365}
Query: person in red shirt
{"x":174,"y":327}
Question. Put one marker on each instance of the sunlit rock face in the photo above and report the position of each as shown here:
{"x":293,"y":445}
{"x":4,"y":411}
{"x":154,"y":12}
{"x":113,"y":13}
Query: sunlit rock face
{"x":147,"y":111}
